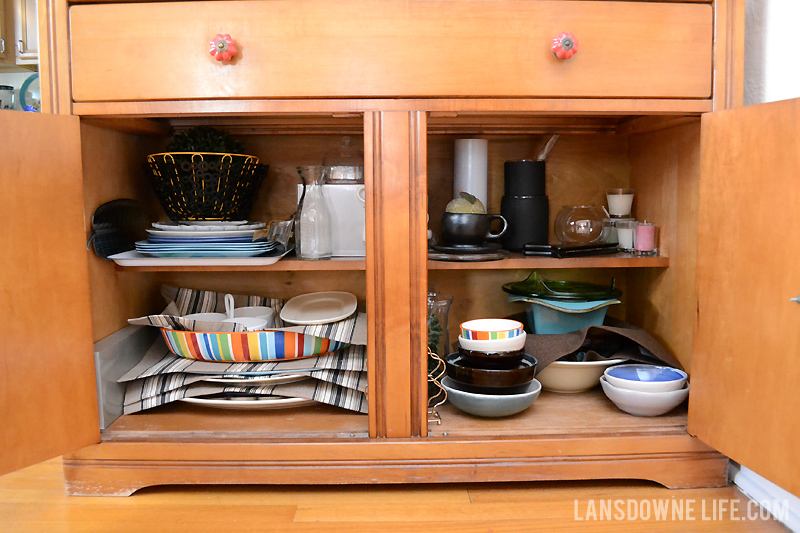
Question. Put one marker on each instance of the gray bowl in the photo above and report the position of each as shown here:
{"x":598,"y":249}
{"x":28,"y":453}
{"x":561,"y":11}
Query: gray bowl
{"x":491,"y":405}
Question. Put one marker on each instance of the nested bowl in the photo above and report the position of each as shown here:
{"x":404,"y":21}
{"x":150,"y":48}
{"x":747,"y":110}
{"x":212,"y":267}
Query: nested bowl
{"x":486,"y":329}
{"x":640,"y":403}
{"x":494,"y":345}
{"x":491,"y":359}
{"x":488,"y":405}
{"x":490,"y":380}
{"x":646,"y":378}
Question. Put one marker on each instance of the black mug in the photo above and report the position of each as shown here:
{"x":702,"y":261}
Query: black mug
{"x":470,"y":229}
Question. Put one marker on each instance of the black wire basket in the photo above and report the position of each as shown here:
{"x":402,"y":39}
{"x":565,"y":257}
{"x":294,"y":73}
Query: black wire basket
{"x":206,"y":186}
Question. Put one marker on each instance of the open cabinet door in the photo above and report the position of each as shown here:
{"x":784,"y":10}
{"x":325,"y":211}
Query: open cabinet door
{"x":48,"y":401}
{"x":745,"y":399}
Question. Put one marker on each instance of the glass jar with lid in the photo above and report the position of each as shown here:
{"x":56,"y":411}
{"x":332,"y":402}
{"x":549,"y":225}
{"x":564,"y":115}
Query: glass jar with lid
{"x":346,"y":164}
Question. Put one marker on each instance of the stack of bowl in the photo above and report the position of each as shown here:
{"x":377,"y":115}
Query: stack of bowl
{"x":554,"y":307}
{"x":645,"y":390}
{"x":490,"y":375}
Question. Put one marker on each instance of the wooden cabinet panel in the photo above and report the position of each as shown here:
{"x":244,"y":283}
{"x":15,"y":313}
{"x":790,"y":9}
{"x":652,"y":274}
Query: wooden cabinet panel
{"x":745,"y":366}
{"x":371,"y":48}
{"x":48,"y":396}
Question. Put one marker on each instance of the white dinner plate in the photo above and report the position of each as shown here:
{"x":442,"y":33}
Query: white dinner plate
{"x":206,"y":247}
{"x":319,"y":308}
{"x":135,"y":259}
{"x":252,"y":402}
{"x":177,"y":233}
{"x":259,"y":380}
{"x":202,"y":226}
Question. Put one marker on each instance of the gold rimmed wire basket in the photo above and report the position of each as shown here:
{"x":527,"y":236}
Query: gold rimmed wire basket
{"x":206,"y":185}
{"x":439,"y":396}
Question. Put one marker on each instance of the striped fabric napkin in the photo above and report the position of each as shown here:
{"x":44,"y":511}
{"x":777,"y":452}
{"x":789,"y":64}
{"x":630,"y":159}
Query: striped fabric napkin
{"x":312,"y":389}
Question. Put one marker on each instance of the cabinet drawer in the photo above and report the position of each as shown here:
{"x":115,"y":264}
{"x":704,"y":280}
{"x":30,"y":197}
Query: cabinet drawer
{"x":372,"y":48}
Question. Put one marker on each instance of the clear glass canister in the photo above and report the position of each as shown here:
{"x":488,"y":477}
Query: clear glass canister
{"x":313,"y":239}
{"x":346,"y":164}
{"x":438,"y":335}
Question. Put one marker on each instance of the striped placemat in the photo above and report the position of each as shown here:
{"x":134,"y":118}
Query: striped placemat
{"x":312,"y":389}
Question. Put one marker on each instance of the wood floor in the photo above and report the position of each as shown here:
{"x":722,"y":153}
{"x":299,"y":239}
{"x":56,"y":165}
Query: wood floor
{"x":33,"y":500}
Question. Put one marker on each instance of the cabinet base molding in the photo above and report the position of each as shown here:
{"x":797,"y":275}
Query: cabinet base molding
{"x":121,"y":469}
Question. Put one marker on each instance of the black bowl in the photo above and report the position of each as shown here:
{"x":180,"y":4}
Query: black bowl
{"x":492,"y":360}
{"x":491,"y":380}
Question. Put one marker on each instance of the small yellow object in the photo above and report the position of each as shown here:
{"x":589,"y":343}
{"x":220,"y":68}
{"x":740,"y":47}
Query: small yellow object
{"x":467,"y":203}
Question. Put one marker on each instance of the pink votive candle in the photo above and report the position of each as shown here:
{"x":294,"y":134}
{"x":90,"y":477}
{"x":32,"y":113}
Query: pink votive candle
{"x":646,"y":236}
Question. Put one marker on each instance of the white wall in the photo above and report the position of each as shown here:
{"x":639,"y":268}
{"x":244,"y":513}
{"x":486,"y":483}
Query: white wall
{"x":772,"y":71}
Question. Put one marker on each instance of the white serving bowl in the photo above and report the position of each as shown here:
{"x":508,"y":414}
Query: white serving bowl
{"x":640,"y":403}
{"x":646,"y":378}
{"x":574,"y":376}
{"x":491,"y":405}
{"x":494,"y":345}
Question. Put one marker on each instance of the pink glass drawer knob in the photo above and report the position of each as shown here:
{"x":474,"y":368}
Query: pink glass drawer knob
{"x":223,"y":47}
{"x":565,"y":45}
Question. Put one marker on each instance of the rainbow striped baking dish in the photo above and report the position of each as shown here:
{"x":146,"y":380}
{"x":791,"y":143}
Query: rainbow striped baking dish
{"x":247,"y":346}
{"x":485,"y":329}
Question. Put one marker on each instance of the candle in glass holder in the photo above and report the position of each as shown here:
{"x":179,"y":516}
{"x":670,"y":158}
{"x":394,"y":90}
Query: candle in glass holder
{"x":626,"y":230}
{"x":646,"y":240}
{"x":620,"y":202}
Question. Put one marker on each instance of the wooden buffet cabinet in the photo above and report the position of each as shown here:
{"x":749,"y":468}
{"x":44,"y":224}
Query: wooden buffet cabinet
{"x":408,"y":78}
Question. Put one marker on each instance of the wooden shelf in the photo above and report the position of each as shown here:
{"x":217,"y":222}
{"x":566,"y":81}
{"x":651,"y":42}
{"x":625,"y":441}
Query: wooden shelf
{"x":587,"y":414}
{"x":181,"y":422}
{"x":519,"y":261}
{"x":287,"y":264}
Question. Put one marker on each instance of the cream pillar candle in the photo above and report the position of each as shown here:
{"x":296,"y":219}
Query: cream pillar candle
{"x":471,"y":168}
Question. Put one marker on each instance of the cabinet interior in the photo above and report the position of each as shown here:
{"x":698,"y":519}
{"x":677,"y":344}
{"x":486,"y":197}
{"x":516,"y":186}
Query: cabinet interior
{"x":657,"y":156}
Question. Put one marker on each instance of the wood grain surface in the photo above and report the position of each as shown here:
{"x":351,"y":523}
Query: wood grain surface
{"x":368,"y":48}
{"x":745,"y":364}
{"x":48,"y":396}
{"x":33,"y":500}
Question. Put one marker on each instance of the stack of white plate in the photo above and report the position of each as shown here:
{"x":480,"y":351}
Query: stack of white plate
{"x":204,"y":239}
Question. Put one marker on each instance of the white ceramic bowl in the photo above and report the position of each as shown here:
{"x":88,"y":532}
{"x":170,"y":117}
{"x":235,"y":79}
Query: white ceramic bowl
{"x":256,"y":311}
{"x":640,"y":403}
{"x":494,"y":345}
{"x":646,"y":378}
{"x":491,"y":329}
{"x":491,"y":405}
{"x":206,"y":317}
{"x":573,"y":376}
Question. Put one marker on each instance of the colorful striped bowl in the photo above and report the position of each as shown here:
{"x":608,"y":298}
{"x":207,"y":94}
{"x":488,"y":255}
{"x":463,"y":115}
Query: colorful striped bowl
{"x":247,"y":346}
{"x":487,"y":329}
